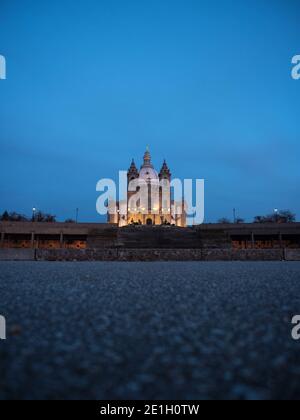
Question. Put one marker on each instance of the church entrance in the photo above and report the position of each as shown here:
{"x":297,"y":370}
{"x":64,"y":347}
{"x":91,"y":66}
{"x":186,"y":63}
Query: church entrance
{"x":149,"y":222}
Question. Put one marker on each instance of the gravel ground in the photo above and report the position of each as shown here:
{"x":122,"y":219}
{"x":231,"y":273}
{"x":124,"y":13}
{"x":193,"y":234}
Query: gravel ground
{"x":149,"y":330}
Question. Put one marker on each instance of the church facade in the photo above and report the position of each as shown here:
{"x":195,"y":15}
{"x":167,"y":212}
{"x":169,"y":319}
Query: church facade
{"x":158,"y":208}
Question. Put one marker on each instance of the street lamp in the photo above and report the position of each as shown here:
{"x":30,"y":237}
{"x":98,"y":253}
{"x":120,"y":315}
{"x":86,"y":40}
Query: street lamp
{"x":33,"y":214}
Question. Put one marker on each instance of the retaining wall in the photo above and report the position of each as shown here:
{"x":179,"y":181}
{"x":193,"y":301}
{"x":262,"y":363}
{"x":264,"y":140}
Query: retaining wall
{"x":10,"y":254}
{"x":113,"y":254}
{"x":159,"y":255}
{"x":292,"y":254}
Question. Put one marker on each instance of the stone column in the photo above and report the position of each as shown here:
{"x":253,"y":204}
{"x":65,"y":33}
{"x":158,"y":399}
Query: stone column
{"x":32,"y":239}
{"x":61,"y":240}
{"x":2,"y":239}
{"x":252,"y":240}
{"x":280,"y":239}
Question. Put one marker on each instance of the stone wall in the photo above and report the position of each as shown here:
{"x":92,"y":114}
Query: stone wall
{"x":292,"y":254}
{"x":159,"y":255}
{"x":113,"y":254}
{"x":7,"y":254}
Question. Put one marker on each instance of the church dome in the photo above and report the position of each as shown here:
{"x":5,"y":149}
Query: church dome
{"x":148,"y":174}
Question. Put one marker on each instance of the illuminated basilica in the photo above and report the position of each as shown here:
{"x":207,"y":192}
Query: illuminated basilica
{"x":159,"y":209}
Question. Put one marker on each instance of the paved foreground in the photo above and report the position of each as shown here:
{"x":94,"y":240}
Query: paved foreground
{"x":149,"y":330}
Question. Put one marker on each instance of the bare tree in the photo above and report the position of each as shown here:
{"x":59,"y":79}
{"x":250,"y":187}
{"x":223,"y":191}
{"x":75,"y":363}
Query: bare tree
{"x":239,"y":220}
{"x":224,"y":221}
{"x":283,"y":216}
{"x":5,"y":217}
{"x":13,"y":217}
{"x":44,"y":217}
{"x":287,"y":216}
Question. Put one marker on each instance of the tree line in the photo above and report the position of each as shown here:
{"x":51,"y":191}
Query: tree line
{"x":39,"y":216}
{"x":282,"y":216}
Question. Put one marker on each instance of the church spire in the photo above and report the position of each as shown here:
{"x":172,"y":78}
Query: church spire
{"x":132,"y":171}
{"x":165,"y":172}
{"x":147,"y":159}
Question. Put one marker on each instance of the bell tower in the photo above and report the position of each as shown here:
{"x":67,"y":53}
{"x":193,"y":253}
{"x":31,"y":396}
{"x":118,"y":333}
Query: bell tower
{"x":165,"y":193}
{"x":165,"y":172}
{"x":132,"y":173}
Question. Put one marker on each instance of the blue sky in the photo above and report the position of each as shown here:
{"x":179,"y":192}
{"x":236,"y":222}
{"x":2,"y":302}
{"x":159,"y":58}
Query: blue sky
{"x":206,"y":84}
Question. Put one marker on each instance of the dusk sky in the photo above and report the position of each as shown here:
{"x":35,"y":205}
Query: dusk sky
{"x":206,"y":84}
